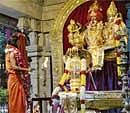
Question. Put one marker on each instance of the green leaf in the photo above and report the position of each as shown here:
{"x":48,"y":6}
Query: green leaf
{"x":3,"y":95}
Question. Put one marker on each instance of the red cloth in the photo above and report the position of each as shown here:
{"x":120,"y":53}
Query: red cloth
{"x":22,"y":60}
{"x":22,"y":41}
{"x":25,"y":76}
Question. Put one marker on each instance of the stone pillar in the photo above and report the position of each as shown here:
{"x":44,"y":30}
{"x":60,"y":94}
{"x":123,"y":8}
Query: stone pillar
{"x":23,"y":23}
{"x":128,"y":24}
{"x":34,"y":51}
{"x":126,"y":76}
{"x":33,"y":38}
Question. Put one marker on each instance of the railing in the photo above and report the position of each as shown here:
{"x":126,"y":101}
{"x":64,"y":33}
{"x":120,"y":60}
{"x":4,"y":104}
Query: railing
{"x":3,"y":108}
{"x":36,"y":105}
{"x":3,"y":100}
{"x":3,"y":89}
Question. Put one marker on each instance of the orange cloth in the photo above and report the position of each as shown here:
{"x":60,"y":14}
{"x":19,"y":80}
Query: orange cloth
{"x":16,"y":94}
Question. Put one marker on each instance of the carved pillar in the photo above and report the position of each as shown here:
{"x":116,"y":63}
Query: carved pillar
{"x":126,"y":76}
{"x":33,"y":38}
{"x":128,"y":24}
{"x":23,"y":23}
{"x":34,"y":51}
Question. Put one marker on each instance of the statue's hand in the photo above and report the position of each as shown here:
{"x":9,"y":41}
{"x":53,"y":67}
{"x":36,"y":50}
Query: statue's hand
{"x":82,"y":92}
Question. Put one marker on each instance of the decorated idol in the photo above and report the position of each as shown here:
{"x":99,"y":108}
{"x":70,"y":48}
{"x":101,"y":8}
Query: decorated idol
{"x":98,"y":37}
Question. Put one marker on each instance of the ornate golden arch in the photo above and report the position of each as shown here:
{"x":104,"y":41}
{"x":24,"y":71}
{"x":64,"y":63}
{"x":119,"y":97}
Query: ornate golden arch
{"x":57,"y":36}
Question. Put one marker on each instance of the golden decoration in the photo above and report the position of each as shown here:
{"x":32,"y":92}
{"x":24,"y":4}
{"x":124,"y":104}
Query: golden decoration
{"x":57,"y":34}
{"x":73,"y":26}
{"x":57,"y":31}
{"x":95,"y":6}
{"x":112,"y":10}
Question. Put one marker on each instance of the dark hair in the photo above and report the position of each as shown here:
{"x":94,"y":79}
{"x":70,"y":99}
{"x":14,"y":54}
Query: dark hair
{"x":13,"y":41}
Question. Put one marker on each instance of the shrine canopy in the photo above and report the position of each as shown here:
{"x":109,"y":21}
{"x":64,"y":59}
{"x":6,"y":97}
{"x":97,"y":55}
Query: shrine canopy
{"x":80,"y":16}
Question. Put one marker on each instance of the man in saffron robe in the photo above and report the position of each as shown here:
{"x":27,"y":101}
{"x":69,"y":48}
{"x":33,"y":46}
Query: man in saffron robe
{"x":17,"y":72}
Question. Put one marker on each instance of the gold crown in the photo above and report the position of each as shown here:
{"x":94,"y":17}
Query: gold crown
{"x":95,"y":6}
{"x":112,"y":10}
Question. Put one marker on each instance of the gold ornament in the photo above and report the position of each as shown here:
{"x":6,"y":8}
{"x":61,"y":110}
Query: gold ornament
{"x":73,"y":26}
{"x":94,"y":7}
{"x":112,"y":10}
{"x":75,"y":37}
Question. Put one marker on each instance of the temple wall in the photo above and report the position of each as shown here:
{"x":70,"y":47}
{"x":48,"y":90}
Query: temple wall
{"x":50,"y":12}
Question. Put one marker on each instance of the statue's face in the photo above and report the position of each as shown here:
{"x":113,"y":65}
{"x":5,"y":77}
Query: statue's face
{"x":72,"y":21}
{"x":93,"y":14}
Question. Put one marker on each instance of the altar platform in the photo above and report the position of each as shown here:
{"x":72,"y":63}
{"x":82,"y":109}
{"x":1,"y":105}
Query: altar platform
{"x":94,"y":100}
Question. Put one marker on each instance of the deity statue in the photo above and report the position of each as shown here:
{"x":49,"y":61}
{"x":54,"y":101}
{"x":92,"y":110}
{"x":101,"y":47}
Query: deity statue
{"x":110,"y":27}
{"x":114,"y":27}
{"x":75,"y":58}
{"x":77,"y":63}
{"x":98,"y":37}
{"x":114,"y":31}
{"x":120,"y":27}
{"x":112,"y":10}
{"x":73,"y":26}
{"x":95,"y":11}
{"x":94,"y":35}
{"x":75,"y":36}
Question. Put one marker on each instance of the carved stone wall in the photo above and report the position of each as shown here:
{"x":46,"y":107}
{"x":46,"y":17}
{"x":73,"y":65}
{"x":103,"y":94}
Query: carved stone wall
{"x":39,"y":2}
{"x":49,"y":15}
{"x":53,"y":2}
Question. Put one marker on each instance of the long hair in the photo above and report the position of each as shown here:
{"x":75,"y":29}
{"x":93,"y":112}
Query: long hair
{"x":13,"y":41}
{"x":19,"y":41}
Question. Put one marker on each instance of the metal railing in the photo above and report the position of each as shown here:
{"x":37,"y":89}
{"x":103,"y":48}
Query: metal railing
{"x":3,"y":89}
{"x":36,"y":105}
{"x":4,"y":108}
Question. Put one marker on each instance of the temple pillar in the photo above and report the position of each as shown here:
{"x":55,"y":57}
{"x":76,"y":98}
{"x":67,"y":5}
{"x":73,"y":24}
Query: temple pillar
{"x":128,"y":24}
{"x":126,"y":76}
{"x":34,"y":51}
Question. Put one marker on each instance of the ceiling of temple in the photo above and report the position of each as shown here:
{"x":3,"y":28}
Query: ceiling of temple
{"x":10,"y":8}
{"x":48,"y":2}
{"x":10,"y":12}
{"x":40,"y":2}
{"x":53,"y":2}
{"x":17,"y":8}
